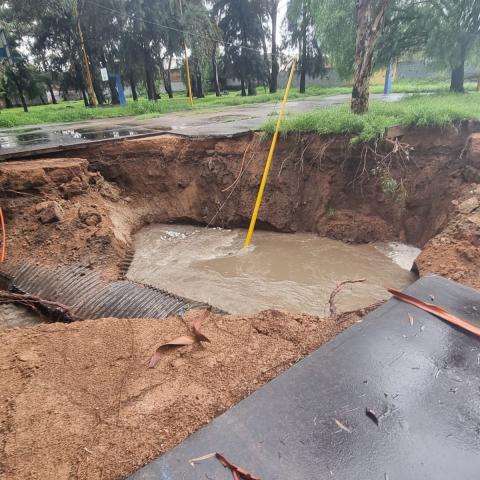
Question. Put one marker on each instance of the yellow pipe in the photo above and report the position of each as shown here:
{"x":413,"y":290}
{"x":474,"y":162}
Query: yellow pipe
{"x":187,"y":66}
{"x":187,"y":74}
{"x":258,"y":202}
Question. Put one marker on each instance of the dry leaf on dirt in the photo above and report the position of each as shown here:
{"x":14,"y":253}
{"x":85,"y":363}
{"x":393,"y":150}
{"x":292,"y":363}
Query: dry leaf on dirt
{"x":196,"y":337}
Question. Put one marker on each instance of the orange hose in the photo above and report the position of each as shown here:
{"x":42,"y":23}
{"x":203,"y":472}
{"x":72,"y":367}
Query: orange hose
{"x":4,"y":237}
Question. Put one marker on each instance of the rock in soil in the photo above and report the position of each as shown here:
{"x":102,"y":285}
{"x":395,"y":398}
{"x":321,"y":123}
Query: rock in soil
{"x":49,"y":212}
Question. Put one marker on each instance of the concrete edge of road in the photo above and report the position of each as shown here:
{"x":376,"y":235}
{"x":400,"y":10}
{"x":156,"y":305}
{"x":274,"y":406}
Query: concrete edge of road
{"x":39,"y":152}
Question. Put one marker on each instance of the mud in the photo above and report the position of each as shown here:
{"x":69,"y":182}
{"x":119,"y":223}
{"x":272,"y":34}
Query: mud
{"x":290,"y":272}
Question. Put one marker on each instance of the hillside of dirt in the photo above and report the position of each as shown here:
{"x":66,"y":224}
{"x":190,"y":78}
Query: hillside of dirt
{"x":78,"y":402}
{"x":85,"y":210}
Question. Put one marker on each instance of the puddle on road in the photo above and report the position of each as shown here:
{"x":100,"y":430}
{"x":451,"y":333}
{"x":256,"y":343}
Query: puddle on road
{"x":39,"y":136}
{"x":294,"y":272}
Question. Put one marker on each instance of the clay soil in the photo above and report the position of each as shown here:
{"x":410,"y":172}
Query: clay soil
{"x":78,"y":402}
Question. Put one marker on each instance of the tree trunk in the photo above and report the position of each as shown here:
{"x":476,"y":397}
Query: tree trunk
{"x":458,"y":78}
{"x":167,"y":79}
{"x":197,"y":77}
{"x":52,"y":93}
{"x":133,"y":86}
{"x":112,"y":85}
{"x":265,"y":79}
{"x":98,"y":89}
{"x":304,"y":61}
{"x":85,"y":98}
{"x":149,"y":78}
{"x":156,"y":93}
{"x":369,"y":27}
{"x":20,"y":92}
{"x":216,"y":83}
{"x":242,"y":86}
{"x":42,"y":99}
{"x":275,"y":67}
{"x":113,"y":91}
{"x":252,"y":88}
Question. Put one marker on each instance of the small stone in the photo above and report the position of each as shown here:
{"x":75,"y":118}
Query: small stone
{"x":109,"y":191}
{"x":475,"y":219}
{"x":89,"y":216}
{"x":49,"y":212}
{"x":468,"y":206}
{"x":76,"y":186}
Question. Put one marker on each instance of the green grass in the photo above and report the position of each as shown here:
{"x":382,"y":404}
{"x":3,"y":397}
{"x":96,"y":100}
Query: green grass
{"x":72,"y":111}
{"x":419,"y":110}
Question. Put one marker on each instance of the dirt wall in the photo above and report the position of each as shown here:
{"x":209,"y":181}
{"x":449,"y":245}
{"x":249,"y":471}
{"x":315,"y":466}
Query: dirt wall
{"x":406,"y":189}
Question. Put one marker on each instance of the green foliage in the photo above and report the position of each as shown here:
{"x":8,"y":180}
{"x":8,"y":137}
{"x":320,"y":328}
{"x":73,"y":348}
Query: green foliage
{"x":420,"y":111}
{"x":454,"y":29}
{"x":301,"y":29}
{"x":241,"y":22}
{"x":335,"y":28}
{"x":388,"y":184}
{"x":331,"y":212}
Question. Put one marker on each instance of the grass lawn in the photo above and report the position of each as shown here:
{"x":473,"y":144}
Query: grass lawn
{"x":75,"y":110}
{"x":418,"y":110}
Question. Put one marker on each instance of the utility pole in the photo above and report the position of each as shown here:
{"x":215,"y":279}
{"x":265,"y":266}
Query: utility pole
{"x":92,"y":99}
{"x":187,"y":66}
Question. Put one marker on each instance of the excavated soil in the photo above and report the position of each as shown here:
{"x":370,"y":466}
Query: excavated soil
{"x":77,"y":400}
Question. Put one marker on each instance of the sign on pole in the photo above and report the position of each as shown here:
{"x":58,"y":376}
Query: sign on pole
{"x":104,"y":73}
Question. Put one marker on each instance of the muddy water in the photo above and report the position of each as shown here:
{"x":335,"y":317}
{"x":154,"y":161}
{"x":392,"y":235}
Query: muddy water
{"x":294,"y":272}
{"x":17,"y":316}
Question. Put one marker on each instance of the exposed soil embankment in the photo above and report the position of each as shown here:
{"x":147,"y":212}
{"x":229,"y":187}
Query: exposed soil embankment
{"x":78,"y":402}
{"x":319,"y":185}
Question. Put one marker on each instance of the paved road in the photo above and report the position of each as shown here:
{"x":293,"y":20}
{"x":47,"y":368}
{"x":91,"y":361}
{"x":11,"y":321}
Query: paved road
{"x":224,"y":121}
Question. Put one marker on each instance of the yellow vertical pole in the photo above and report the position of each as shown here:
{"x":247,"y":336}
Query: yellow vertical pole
{"x":258,"y":202}
{"x":86,"y":67}
{"x":187,"y":66}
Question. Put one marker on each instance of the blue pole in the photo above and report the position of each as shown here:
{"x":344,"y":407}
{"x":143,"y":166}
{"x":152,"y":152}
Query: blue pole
{"x":121,"y":93}
{"x":388,"y":80}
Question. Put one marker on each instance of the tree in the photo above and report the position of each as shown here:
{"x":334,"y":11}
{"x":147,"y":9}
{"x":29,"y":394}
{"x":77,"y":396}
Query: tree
{"x":454,"y":29}
{"x":241,"y":22}
{"x":370,"y":23}
{"x":302,"y":36}
{"x":201,"y":34}
{"x":272,"y":8}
